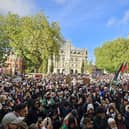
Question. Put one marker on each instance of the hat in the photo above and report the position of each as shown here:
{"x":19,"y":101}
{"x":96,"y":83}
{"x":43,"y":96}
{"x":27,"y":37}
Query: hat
{"x":90,"y":106}
{"x":127,"y":108}
{"x":11,"y":118}
{"x":110,"y":120}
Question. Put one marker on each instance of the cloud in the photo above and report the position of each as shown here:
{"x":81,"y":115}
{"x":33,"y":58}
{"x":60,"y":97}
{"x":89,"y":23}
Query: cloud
{"x":122,"y":21}
{"x":125,"y":18}
{"x":21,"y":7}
{"x":111,"y":22}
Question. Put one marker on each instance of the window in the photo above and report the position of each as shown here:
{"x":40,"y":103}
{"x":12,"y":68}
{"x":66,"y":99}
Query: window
{"x":76,"y":59}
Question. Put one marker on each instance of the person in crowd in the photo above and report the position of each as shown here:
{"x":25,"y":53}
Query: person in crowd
{"x":112,"y":123}
{"x":4,"y":106}
{"x":120,"y":121}
{"x":88,"y":123}
{"x":47,"y":123}
{"x":11,"y":121}
{"x":21,"y":110}
{"x":35,"y":112}
{"x":111,"y":112}
{"x":89,"y":114}
{"x":123,"y":104}
{"x":100,"y":121}
{"x":70,"y":122}
{"x":33,"y":126}
{"x":126,"y":115}
{"x":69,"y":105}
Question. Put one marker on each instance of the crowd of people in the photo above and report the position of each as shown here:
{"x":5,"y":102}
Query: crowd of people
{"x":63,"y":102}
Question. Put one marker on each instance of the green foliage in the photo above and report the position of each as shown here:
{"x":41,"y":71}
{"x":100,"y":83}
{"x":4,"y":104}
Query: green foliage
{"x":4,"y":41}
{"x":31,"y":37}
{"x":112,"y":53}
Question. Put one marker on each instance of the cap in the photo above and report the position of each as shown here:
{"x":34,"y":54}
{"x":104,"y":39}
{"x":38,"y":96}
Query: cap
{"x":11,"y":118}
{"x":90,"y":106}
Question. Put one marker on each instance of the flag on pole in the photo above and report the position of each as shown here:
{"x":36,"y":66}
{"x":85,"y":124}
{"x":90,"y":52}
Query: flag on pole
{"x":123,"y":68}
{"x":119,"y":72}
{"x":126,"y":66}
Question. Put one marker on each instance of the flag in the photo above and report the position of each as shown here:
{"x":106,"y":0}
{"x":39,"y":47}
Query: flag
{"x":122,"y":68}
{"x":126,"y":66}
{"x":64,"y":126}
{"x":119,"y":72}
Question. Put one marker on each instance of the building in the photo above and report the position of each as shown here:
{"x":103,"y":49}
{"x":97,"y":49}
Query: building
{"x":70,"y":60}
{"x":13,"y":65}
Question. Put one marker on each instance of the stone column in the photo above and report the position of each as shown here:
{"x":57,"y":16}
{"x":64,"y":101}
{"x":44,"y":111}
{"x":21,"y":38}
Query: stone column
{"x":67,"y":56}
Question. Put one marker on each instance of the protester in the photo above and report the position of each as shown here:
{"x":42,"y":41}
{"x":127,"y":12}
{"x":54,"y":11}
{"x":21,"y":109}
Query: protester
{"x":127,"y":116}
{"x":63,"y":101}
{"x":120,"y":121}
{"x":47,"y":123}
{"x":112,"y":123}
{"x":88,"y":123}
{"x":11,"y":121}
{"x":100,"y":120}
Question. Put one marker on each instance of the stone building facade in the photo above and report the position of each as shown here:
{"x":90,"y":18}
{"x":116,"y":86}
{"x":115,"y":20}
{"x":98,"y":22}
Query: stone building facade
{"x":70,"y":60}
{"x":14,"y":65}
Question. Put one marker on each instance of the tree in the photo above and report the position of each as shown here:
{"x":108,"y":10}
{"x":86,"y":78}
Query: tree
{"x":33,"y":38}
{"x":4,"y":41}
{"x":112,"y":54}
